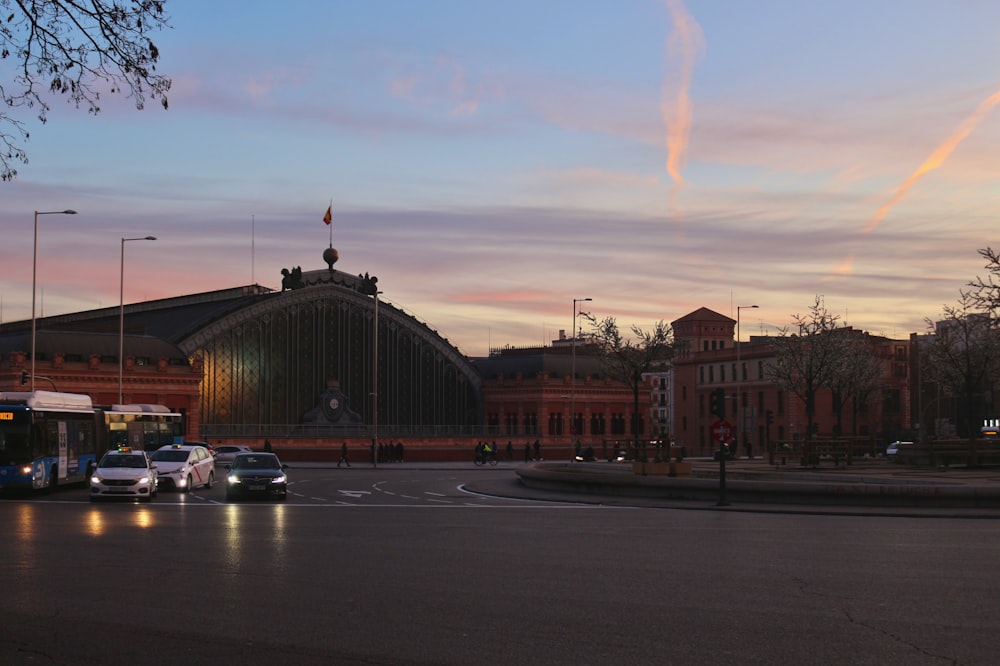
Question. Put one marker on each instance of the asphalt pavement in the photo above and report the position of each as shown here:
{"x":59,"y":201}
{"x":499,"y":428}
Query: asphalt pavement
{"x":868,"y":486}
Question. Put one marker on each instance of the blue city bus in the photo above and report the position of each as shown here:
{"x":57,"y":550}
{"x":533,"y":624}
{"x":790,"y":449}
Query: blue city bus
{"x":142,"y":426}
{"x":48,"y":439}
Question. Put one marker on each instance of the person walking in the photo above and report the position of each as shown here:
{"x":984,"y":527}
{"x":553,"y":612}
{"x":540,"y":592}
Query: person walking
{"x":343,"y":455}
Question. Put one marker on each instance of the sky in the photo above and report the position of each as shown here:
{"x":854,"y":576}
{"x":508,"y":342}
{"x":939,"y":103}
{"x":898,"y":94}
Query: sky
{"x":491,"y":162}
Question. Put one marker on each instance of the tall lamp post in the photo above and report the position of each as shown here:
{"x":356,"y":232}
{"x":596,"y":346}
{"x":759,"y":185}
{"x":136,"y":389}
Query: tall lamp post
{"x":375,"y":385}
{"x":572,"y":379}
{"x":121,"y":317}
{"x":740,"y":411}
{"x":34,"y":282}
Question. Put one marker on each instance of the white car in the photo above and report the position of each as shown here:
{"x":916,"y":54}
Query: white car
{"x":224,"y":455}
{"x":124,"y":473}
{"x":184,"y":466}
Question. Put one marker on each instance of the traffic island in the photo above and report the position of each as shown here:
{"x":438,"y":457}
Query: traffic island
{"x":745,"y":485}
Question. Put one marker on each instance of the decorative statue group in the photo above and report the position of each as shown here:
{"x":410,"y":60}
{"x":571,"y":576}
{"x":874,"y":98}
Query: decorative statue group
{"x":367,"y":284}
{"x":291,"y":279}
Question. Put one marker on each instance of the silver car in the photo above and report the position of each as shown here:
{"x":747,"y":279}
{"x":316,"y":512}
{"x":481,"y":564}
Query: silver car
{"x":224,"y":454}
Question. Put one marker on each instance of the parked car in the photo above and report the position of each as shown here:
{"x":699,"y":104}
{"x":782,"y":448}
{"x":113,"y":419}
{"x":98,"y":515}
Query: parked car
{"x":124,"y":472}
{"x":256,"y":475}
{"x":893,"y":449}
{"x":225,"y":454}
{"x":184,"y":466}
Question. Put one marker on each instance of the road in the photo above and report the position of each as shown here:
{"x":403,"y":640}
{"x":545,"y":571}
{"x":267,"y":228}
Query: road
{"x":394,"y":566}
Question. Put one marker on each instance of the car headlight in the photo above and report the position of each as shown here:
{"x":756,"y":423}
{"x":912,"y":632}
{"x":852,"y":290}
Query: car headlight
{"x":232,"y":479}
{"x":96,"y":479}
{"x":279,"y":479}
{"x":144,"y":479}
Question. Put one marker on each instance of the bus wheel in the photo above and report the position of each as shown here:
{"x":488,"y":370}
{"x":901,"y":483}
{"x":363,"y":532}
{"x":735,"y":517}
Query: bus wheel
{"x":50,"y":483}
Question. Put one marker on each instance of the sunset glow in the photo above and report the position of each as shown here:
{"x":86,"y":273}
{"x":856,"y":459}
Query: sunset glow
{"x":490,"y":162}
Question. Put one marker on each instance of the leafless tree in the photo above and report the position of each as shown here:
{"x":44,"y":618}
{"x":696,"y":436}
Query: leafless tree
{"x":77,"y":48}
{"x":985,"y":293}
{"x":856,"y":375}
{"x":807,"y":357}
{"x":627,"y":358}
{"x":963,"y":357}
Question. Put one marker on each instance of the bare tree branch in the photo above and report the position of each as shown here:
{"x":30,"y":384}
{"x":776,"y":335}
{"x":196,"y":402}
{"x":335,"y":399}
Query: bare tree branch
{"x":76,"y":48}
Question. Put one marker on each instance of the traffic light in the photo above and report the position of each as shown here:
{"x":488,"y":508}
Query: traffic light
{"x":769,"y":415}
{"x":717,"y":403}
{"x":24,"y":377}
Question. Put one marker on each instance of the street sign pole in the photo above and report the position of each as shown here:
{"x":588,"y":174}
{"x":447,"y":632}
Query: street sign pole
{"x":722,"y":429}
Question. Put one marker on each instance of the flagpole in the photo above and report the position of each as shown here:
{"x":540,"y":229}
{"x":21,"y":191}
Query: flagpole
{"x":252,"y":229}
{"x":331,"y":223}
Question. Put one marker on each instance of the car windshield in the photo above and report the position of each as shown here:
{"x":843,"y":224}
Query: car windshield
{"x":135,"y":460}
{"x":170,"y":455}
{"x":256,"y":462}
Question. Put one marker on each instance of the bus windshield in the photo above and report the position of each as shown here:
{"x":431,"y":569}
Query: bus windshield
{"x":15,"y":443}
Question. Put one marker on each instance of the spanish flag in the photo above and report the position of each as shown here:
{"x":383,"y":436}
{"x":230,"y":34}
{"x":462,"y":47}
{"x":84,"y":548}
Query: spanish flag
{"x":328,"y":218}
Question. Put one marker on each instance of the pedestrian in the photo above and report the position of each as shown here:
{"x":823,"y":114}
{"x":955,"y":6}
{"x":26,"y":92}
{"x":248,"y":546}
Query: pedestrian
{"x":399,"y":452}
{"x":267,"y":446}
{"x":510,"y":450}
{"x":343,"y":455}
{"x":538,"y":450}
{"x":527,"y":452}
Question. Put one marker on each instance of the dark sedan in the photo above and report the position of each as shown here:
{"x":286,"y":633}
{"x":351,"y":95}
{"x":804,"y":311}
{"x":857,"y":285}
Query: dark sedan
{"x":257,"y":475}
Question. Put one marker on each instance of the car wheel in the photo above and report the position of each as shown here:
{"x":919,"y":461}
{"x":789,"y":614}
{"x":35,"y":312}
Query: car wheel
{"x":211,"y":480}
{"x":187,"y":486}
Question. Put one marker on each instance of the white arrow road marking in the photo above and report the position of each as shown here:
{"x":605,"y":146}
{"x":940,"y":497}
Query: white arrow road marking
{"x":356,"y":494}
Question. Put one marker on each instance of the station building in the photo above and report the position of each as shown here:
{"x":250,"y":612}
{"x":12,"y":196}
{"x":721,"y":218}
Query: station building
{"x":254,"y":364}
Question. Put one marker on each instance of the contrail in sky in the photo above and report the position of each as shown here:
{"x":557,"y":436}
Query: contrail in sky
{"x":684,"y":45}
{"x":936,"y":159}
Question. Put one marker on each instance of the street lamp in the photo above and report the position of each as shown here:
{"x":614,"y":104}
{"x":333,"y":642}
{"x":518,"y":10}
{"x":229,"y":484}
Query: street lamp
{"x":121,"y":316}
{"x":34,"y":281}
{"x":572,"y":379}
{"x":740,"y":416}
{"x":375,"y":384}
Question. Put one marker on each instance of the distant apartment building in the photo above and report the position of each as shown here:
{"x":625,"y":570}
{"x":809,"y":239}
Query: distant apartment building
{"x":714,"y":361}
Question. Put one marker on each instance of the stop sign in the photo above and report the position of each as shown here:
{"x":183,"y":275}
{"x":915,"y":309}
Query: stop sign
{"x":721,"y":430}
